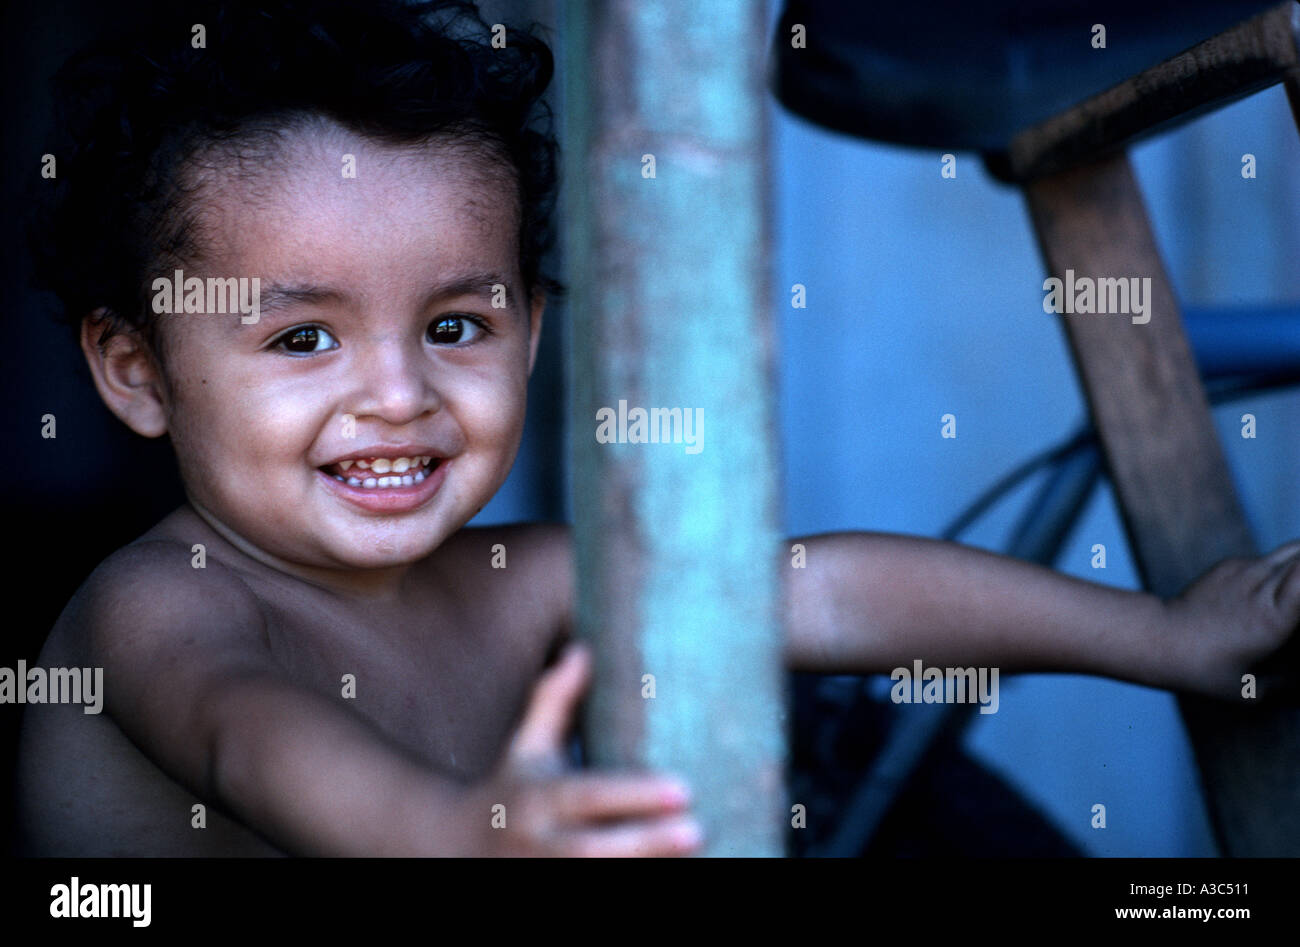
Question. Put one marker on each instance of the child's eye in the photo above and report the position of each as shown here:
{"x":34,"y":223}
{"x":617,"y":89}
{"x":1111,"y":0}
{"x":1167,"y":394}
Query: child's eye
{"x":306,"y":340}
{"x":454,"y":330}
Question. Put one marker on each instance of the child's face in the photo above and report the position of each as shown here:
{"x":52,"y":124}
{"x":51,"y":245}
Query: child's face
{"x":253,"y":426}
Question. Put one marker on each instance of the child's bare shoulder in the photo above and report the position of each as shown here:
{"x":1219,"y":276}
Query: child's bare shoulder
{"x":164,"y":634}
{"x":160,"y":588}
{"x":519,"y":566}
{"x":167,"y":628}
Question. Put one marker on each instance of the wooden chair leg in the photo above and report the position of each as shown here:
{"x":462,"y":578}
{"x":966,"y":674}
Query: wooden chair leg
{"x":1176,"y":497}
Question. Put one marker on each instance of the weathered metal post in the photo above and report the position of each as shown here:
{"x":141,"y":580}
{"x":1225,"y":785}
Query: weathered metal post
{"x":677,"y":542}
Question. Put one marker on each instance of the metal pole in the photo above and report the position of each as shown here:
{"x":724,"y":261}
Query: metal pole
{"x":678,"y":550}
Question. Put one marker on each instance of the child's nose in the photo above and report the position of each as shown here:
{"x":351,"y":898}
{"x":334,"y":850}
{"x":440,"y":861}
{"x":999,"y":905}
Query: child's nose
{"x":396,"y":382}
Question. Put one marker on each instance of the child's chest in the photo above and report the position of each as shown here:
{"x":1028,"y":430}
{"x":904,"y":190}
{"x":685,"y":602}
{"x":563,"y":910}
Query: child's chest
{"x":448,"y":691}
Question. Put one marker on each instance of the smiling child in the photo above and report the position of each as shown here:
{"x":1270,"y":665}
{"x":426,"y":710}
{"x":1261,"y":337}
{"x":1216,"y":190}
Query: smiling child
{"x":315,"y":649}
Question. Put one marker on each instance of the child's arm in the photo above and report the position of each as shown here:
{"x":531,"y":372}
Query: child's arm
{"x":870,"y":602}
{"x":190,"y":678}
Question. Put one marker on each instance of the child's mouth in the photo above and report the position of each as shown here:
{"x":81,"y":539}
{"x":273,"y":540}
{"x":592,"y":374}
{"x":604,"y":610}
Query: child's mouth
{"x":386,"y":485}
{"x":383,"y":473}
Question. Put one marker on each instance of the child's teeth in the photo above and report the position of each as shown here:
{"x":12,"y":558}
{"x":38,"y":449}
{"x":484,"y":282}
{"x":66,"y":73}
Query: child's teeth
{"x":418,"y":467}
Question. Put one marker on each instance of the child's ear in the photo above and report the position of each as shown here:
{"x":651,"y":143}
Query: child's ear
{"x":126,"y":375}
{"x":535,"y":328}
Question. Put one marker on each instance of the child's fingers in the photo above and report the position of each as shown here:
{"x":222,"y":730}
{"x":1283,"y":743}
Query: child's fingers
{"x":589,"y":797}
{"x":1287,"y":592}
{"x":1264,"y":571}
{"x":1282,"y":582}
{"x":1283,"y":552}
{"x":550,"y":708}
{"x":679,"y":835}
{"x":1278,"y":560}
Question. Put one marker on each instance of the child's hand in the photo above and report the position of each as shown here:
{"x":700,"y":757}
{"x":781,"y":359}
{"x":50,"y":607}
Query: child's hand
{"x":553,"y":812}
{"x":1239,"y":617}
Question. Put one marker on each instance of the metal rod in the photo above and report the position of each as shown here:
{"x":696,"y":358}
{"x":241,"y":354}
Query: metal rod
{"x":679,"y":585}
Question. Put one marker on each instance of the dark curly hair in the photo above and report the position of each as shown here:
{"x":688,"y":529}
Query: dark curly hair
{"x":134,"y":113}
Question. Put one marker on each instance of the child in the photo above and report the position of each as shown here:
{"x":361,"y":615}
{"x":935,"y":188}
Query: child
{"x":313,"y":654}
